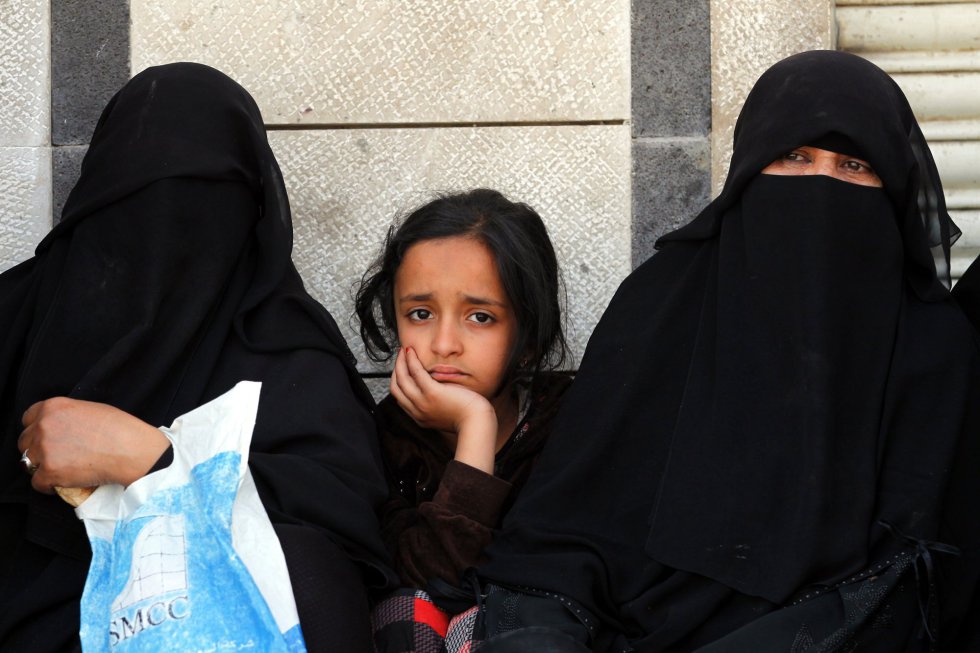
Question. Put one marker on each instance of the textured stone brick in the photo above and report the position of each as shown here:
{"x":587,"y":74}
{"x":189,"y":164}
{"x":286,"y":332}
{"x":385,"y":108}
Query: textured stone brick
{"x":368,"y":62}
{"x":24,"y":79}
{"x":671,"y":68}
{"x":25,"y":202}
{"x":25,"y":159}
{"x":66,"y":162}
{"x":89,"y":62}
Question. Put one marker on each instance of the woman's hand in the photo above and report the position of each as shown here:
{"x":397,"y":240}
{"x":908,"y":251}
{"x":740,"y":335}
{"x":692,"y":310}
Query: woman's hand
{"x":78,"y":443}
{"x":447,"y":407}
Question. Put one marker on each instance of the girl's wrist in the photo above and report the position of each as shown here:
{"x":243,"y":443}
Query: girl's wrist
{"x":476,"y":441}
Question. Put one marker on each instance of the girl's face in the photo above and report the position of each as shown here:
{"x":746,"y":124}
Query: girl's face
{"x":809,"y":160}
{"x":452,"y":310}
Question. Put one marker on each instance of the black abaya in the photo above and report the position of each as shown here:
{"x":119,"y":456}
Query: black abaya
{"x":778,"y":408}
{"x":167,"y":281}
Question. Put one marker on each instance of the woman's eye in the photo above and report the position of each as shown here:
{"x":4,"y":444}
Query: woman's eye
{"x":481,"y":318}
{"x":795,"y":157}
{"x":857,"y":166}
{"x":419,"y":314}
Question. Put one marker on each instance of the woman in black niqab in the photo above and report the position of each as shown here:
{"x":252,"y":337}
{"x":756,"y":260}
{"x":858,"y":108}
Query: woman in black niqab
{"x":167,"y":281}
{"x":778,"y":410}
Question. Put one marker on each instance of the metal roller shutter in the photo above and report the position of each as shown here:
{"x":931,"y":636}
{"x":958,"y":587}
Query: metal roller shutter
{"x":932,"y":49}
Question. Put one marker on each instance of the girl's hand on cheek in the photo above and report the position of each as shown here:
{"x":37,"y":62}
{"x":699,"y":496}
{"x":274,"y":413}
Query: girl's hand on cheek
{"x":434,"y":405}
{"x":446,"y":407}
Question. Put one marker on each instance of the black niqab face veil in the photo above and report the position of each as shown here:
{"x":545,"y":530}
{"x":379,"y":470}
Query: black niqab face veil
{"x":785,"y":376}
{"x":826,"y":94}
{"x":788,"y":378}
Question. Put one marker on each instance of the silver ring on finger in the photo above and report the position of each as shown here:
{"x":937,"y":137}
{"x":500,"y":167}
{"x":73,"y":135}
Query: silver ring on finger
{"x":27,"y":464}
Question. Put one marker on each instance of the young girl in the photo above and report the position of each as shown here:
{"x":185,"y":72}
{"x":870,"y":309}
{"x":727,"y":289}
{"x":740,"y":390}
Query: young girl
{"x":466,"y":290}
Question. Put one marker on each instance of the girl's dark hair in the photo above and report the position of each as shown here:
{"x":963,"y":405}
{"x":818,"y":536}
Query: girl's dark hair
{"x":519,"y":243}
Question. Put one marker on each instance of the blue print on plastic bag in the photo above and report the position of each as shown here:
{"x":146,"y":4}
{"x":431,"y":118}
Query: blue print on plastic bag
{"x":185,"y":589}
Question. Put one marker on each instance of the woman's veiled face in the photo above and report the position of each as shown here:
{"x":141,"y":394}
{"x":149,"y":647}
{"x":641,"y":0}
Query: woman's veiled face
{"x":808,"y":160}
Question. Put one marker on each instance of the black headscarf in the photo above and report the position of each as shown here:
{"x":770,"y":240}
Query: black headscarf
{"x":785,"y":377}
{"x":167,"y":281}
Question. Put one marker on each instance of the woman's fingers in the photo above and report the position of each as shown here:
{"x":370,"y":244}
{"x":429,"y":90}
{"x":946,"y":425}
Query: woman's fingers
{"x":26,"y":438}
{"x":78,"y":443}
{"x":25,"y":443}
{"x":29,"y":419}
{"x":30,"y":415}
{"x":56,"y":441}
{"x":32,"y":442}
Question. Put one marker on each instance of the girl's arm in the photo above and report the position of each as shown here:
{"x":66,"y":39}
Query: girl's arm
{"x":443,"y":537}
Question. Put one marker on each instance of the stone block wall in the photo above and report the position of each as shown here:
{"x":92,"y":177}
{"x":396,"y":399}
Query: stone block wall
{"x":671,"y":117}
{"x":89,"y":62}
{"x":25,"y":132}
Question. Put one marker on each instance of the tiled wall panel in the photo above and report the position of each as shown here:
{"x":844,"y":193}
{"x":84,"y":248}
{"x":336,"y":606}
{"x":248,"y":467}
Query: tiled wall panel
{"x":383,"y":61}
{"x":25,"y":201}
{"x":671,"y":97}
{"x":24,"y":78}
{"x":25,"y":158}
{"x":346,"y":186}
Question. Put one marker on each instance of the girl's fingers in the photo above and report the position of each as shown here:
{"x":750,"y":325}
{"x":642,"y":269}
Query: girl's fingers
{"x":404,"y":377}
{"x":419,"y":374}
{"x":395,"y":385}
{"x":419,"y":392}
{"x":394,"y":373}
{"x":399,"y":396}
{"x":402,"y":386}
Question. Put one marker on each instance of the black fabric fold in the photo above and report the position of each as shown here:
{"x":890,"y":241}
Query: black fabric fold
{"x":788,"y":375}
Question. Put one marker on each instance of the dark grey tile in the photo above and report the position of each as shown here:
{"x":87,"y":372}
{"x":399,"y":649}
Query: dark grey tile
{"x":671,"y":68}
{"x":66,"y":161}
{"x":89,"y":62}
{"x":671,"y":184}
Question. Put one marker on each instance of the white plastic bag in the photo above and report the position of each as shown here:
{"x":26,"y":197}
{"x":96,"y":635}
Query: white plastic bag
{"x":186,"y":559}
